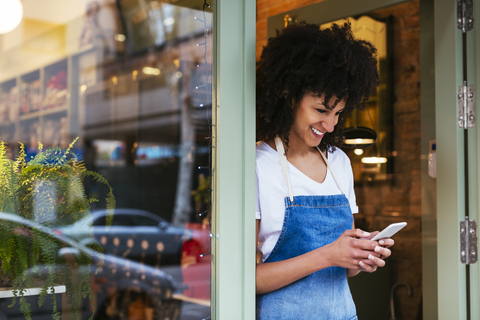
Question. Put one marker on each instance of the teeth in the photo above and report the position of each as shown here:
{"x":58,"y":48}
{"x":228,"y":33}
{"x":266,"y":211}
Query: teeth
{"x":316,"y":131}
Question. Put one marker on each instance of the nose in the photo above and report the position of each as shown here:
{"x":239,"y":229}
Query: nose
{"x":330,"y":122}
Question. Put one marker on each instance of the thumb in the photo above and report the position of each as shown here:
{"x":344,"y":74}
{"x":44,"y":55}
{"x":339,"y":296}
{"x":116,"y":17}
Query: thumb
{"x":372,"y":234}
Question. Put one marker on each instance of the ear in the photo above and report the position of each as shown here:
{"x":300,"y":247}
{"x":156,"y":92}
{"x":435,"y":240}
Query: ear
{"x":293,"y":105}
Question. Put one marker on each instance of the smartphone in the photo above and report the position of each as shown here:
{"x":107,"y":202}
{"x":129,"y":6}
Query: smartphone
{"x":390,"y":230}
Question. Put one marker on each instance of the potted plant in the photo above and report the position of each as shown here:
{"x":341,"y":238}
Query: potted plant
{"x":46,"y":189}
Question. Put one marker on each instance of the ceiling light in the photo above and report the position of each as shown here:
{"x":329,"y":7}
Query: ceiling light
{"x":119,"y":37}
{"x":374,"y":160}
{"x":358,"y":137}
{"x":169,"y":21}
{"x":11,"y":14}
{"x":359,"y":141}
{"x":152,"y":71}
{"x":358,"y":152}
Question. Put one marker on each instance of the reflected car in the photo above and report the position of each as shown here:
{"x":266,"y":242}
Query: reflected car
{"x":134,"y":234}
{"x":117,"y":283}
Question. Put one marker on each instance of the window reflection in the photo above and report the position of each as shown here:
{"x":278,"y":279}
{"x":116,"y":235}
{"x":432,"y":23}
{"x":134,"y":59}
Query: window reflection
{"x":128,"y":79}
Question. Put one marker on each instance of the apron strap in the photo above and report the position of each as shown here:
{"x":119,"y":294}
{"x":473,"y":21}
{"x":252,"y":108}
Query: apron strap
{"x":331,"y":170}
{"x":283,"y":163}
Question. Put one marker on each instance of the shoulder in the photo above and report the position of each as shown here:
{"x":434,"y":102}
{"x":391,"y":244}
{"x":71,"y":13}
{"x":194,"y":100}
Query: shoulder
{"x":338,"y":158}
{"x":267,"y":162}
{"x":264,"y":152}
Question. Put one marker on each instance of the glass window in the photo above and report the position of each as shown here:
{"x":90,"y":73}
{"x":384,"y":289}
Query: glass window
{"x":105,"y":120}
{"x":101,"y":221}
{"x":120,"y":220}
{"x":144,"y":221}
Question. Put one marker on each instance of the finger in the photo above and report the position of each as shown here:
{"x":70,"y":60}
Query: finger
{"x":364,"y":255}
{"x":357,"y":233}
{"x":364,"y":266}
{"x":383,"y":252}
{"x":379,"y":262}
{"x":365,"y":244}
{"x":369,"y":262}
{"x":386,"y":243}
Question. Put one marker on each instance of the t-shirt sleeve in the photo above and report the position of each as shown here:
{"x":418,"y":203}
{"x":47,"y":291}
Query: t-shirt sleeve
{"x":350,"y":192}
{"x":258,"y":212}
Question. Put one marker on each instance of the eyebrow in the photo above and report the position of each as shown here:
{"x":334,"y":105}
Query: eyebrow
{"x":326,"y":108}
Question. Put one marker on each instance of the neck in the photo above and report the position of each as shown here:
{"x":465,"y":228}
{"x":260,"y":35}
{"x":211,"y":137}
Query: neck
{"x":298,"y":149}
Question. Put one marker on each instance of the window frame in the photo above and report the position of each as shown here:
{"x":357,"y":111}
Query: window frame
{"x":233,"y":160}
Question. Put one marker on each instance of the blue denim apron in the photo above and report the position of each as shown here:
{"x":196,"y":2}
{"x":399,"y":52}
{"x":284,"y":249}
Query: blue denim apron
{"x":310,"y":222}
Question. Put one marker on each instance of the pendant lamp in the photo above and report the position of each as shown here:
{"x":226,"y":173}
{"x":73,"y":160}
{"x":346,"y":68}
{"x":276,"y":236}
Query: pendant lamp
{"x":359,"y":137}
{"x":11,"y":14}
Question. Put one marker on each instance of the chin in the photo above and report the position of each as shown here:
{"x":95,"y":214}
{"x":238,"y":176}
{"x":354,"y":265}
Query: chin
{"x":315,"y":142}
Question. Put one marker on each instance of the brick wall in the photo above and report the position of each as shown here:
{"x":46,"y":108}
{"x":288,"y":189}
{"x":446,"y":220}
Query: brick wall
{"x":398,"y":198}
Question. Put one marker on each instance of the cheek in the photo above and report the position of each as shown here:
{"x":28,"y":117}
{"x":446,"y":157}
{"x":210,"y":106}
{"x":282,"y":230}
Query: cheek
{"x":337,"y":120}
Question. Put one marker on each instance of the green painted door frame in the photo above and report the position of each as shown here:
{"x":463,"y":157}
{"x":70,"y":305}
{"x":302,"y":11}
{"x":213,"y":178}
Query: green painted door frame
{"x":450,"y":171}
{"x":473,"y":51}
{"x":453,"y":176}
{"x":233,"y":161}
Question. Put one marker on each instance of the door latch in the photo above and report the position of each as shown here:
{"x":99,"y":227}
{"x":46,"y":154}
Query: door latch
{"x":466,"y":106}
{"x":468,"y":241}
{"x":465,"y":15}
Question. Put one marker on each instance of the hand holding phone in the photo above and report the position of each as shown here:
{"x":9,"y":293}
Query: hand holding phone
{"x":389,"y":231}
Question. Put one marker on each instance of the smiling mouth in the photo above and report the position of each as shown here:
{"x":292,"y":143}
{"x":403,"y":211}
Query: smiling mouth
{"x":317,"y":132}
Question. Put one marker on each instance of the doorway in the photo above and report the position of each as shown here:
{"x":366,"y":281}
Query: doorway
{"x":396,"y":196}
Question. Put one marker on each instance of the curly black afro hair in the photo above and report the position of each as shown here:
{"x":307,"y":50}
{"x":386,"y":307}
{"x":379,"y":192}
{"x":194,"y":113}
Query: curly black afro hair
{"x":304,"y":59}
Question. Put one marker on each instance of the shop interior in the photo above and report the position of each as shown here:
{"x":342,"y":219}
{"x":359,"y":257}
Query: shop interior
{"x":126,"y":87}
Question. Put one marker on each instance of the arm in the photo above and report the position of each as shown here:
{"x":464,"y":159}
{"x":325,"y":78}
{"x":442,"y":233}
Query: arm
{"x":348,"y":251}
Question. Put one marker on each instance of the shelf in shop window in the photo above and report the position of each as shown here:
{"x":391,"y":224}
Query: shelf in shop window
{"x":54,"y":110}
{"x":28,"y":116}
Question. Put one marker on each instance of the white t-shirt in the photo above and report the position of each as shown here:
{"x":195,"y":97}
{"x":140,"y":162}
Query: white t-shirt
{"x":272,"y":190}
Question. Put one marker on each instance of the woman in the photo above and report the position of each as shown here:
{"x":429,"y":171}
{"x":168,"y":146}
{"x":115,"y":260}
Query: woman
{"x":307,"y":81}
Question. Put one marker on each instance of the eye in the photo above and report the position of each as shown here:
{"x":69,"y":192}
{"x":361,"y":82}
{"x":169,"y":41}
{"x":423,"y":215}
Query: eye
{"x":321,"y":110}
{"x":339,"y":112}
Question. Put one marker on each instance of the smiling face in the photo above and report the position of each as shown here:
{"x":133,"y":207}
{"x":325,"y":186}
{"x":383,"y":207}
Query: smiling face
{"x":312,"y":120}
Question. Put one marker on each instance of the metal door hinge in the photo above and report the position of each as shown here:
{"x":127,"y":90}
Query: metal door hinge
{"x":466,"y":106}
{"x":468,"y":241}
{"x":465,"y":15}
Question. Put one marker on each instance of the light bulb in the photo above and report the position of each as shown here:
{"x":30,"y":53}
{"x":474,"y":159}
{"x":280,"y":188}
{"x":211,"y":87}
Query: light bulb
{"x":374,"y":160}
{"x":358,"y":152}
{"x":11,"y":14}
{"x":359,"y":141}
{"x":152,"y":71}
